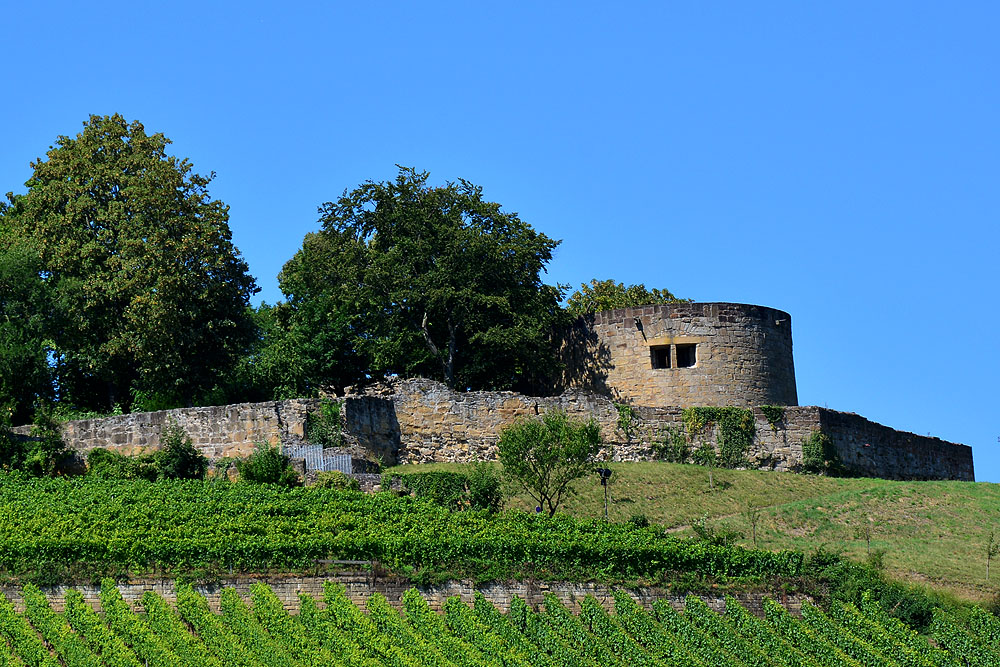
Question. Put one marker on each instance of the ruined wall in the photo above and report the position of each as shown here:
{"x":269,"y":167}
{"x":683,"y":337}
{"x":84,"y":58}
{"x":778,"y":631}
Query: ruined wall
{"x":437,"y":424}
{"x":359,"y":586}
{"x":422,"y":421}
{"x":685,"y":354}
{"x":235,"y":430}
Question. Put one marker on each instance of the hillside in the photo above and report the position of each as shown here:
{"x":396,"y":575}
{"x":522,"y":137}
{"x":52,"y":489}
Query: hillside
{"x":931,"y":532}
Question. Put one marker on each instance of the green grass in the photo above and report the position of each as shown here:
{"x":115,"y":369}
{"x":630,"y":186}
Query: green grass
{"x":933,"y":533}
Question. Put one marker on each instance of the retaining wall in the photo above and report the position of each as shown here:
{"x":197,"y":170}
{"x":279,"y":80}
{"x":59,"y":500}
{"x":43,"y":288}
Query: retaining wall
{"x":359,"y":586}
{"x":422,"y":421}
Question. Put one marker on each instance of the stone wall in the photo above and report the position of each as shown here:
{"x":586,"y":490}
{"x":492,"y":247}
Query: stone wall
{"x":440,"y":425}
{"x":422,"y":421}
{"x":735,"y":354}
{"x":359,"y":586}
{"x":217,"y":431}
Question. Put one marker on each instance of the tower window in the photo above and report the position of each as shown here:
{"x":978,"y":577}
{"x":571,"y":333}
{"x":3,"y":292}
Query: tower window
{"x":660,"y":356}
{"x":686,"y":357}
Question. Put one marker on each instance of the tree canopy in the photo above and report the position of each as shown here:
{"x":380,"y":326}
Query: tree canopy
{"x":546,"y":455}
{"x":139,"y":261}
{"x":607,"y":295}
{"x":421,"y":280}
{"x":26,"y":308}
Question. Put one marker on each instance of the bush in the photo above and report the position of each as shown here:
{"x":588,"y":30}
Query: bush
{"x":819,"y":455}
{"x":325,"y":425}
{"x":267,"y":465}
{"x":334,"y":479}
{"x":107,"y":464}
{"x":673,"y":448}
{"x":42,"y":453}
{"x":177,"y":458}
{"x":545,"y":456}
{"x":484,"y":488}
{"x":454,"y":490}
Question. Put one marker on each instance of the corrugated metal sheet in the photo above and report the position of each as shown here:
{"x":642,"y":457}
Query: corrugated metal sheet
{"x":318,"y":459}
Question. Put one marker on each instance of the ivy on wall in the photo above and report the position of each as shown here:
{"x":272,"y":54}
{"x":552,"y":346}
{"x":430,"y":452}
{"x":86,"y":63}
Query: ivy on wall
{"x":735,"y":433}
{"x":774,"y":414}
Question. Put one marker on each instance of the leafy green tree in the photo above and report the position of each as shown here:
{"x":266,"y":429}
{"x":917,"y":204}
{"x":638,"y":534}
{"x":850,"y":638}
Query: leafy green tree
{"x":607,"y":295}
{"x":141,"y":262}
{"x":26,"y":307}
{"x":421,"y":280}
{"x":545,"y":456}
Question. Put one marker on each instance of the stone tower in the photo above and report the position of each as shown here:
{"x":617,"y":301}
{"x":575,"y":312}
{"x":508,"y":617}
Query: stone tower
{"x":686,"y":354}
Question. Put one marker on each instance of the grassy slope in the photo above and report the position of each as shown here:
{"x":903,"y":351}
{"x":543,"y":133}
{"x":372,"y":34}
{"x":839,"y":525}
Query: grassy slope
{"x":931,"y":532}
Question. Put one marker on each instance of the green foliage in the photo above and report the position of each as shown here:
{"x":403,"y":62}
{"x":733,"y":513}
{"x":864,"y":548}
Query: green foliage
{"x":177,"y":457}
{"x":819,"y":454}
{"x":484,"y":488}
{"x":774,"y":414}
{"x":602,"y":295}
{"x":628,"y":419}
{"x":325,"y":425}
{"x":479,"y":489}
{"x":267,"y":465}
{"x":133,"y":526}
{"x":335,"y":479}
{"x":673,"y":447}
{"x":421,"y":280}
{"x":139,"y":260}
{"x":736,"y":430}
{"x":26,"y":306}
{"x":545,"y":456}
{"x":265,"y":633}
{"x":705,"y":455}
{"x":721,"y":535}
{"x":109,"y":464}
{"x":42,"y":453}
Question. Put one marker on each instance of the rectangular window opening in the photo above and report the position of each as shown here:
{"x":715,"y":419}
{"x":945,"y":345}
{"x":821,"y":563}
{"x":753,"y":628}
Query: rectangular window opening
{"x":660,"y":356}
{"x":686,"y":357}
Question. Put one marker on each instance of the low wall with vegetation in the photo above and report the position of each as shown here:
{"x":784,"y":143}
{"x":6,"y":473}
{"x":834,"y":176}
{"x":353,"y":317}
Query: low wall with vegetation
{"x":361,"y":585}
{"x":422,"y":421}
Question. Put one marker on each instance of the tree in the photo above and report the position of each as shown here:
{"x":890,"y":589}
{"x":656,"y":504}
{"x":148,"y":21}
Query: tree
{"x":140,"y":260}
{"x":992,"y":548}
{"x":607,"y":295}
{"x":545,"y":456}
{"x":431,"y":281}
{"x":26,"y":307}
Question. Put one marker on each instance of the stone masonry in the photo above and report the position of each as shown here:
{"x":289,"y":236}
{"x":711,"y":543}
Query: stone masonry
{"x":359,"y":586}
{"x":658,"y":359}
{"x":422,"y":421}
{"x":685,"y":354}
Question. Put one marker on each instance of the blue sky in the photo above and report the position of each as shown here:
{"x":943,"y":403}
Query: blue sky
{"x":839,"y":161}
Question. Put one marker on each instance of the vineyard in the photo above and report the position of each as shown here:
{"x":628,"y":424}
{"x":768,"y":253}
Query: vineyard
{"x":335,"y":631}
{"x":54,"y":528}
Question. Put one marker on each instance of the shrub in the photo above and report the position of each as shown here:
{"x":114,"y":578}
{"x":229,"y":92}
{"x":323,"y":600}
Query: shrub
{"x":479,"y":489}
{"x":324,"y":426}
{"x":819,"y":455}
{"x":334,"y":479}
{"x":484,"y":488}
{"x":267,"y":465}
{"x":177,"y":458}
{"x":673,"y":448}
{"x":545,"y":456}
{"x":43,"y":453}
{"x":107,"y":464}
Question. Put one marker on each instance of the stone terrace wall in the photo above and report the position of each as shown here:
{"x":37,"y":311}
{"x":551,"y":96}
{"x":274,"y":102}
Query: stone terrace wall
{"x":234,"y":430}
{"x":423,"y":421}
{"x":437,"y":424}
{"x":217,"y":431}
{"x":359,"y":586}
